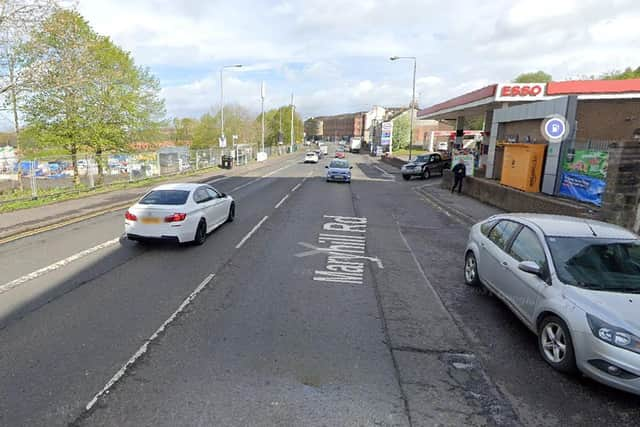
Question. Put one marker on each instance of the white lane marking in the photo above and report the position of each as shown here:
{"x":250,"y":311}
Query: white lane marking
{"x":249,"y":234}
{"x":250,"y":182}
{"x":143,"y":349}
{"x":218,"y":179}
{"x":384,"y":172}
{"x":296,"y":187}
{"x":244,"y":185}
{"x":277,"y":170}
{"x":56,"y":265}
{"x":282,"y":201}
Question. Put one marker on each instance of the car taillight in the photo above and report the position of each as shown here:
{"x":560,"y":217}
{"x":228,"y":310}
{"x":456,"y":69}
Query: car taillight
{"x":129,"y":216}
{"x":176,"y":217}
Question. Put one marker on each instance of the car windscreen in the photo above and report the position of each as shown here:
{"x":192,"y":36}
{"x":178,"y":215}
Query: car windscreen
{"x":421,"y":159}
{"x":165,"y":197}
{"x":597,"y":263}
{"x":338,"y":164}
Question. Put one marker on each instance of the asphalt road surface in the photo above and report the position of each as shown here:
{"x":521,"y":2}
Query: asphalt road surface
{"x":265,"y":325}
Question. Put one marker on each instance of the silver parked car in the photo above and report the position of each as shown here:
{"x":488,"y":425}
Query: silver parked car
{"x":572,"y":281}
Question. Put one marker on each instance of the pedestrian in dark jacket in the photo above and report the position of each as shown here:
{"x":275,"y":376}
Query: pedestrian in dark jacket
{"x":459,"y":172}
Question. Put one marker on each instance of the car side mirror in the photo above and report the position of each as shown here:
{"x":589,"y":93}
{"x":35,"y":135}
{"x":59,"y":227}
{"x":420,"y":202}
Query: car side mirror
{"x":223,"y":195}
{"x":326,"y":167}
{"x":530,"y":267}
{"x":350,"y":167}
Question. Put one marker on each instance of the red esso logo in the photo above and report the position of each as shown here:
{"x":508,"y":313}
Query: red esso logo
{"x":534,"y":90}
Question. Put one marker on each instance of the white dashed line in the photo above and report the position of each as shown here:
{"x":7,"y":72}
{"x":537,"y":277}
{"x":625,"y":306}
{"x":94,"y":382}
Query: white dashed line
{"x":244,"y":185}
{"x":56,"y":265}
{"x":218,"y":179}
{"x":143,"y":349}
{"x":249,"y":234}
{"x":281,"y":201}
{"x":277,"y":170}
{"x":296,"y":187}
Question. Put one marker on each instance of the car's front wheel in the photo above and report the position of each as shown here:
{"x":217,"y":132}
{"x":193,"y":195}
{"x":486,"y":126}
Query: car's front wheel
{"x":471,"y":270}
{"x":232,"y":212}
{"x":426,"y":174}
{"x":555,"y":345}
{"x":201,"y":233}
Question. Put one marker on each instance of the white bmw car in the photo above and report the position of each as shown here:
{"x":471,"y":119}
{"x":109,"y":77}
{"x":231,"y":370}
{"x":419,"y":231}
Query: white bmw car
{"x":178,"y":212}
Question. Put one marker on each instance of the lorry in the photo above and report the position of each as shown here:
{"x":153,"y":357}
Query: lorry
{"x":354,"y":144}
{"x":324,"y":148}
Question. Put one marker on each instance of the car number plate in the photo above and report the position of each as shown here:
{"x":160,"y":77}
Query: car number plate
{"x":150,"y":220}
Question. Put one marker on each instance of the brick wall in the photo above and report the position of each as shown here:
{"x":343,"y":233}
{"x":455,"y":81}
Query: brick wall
{"x":620,"y":203}
{"x":522,"y":129}
{"x":608,"y":119}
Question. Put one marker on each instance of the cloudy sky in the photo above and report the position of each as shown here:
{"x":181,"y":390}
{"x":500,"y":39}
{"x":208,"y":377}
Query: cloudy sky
{"x":334,"y":53}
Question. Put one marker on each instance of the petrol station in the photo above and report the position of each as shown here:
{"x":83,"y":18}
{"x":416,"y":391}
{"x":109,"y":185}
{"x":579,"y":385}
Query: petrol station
{"x":551,"y":138}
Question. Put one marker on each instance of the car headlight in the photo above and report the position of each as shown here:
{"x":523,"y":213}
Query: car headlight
{"x":613,"y":335}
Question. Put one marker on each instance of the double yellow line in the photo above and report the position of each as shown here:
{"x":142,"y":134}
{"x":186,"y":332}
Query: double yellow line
{"x":64,"y":223}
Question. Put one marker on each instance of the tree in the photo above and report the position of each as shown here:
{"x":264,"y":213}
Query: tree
{"x":61,"y":50}
{"x":533,"y":77}
{"x":184,"y":129}
{"x":628,"y":73}
{"x":87,"y":92}
{"x":18,"y":18}
{"x":274,"y":118}
{"x":401,"y":131}
{"x":474,"y":123}
{"x":206,"y":132}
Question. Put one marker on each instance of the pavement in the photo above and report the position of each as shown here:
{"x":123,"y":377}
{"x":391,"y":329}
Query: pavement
{"x":321,"y":304}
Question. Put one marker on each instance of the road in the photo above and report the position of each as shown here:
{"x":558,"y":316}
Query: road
{"x":262,"y":325}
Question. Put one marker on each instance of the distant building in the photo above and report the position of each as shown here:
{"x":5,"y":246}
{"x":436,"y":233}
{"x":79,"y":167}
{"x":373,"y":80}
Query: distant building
{"x":342,"y":126}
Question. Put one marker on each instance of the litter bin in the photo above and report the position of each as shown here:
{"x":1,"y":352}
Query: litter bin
{"x":227,"y":162}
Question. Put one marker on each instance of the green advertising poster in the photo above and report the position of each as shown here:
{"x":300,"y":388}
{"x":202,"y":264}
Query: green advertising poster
{"x":588,"y":163}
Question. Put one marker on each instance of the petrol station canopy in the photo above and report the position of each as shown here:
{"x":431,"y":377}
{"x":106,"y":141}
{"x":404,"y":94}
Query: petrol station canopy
{"x":500,"y":95}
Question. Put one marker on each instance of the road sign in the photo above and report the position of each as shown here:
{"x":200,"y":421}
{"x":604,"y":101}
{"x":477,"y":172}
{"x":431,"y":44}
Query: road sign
{"x":387,"y":133}
{"x":554,"y":128}
{"x":223,"y":142}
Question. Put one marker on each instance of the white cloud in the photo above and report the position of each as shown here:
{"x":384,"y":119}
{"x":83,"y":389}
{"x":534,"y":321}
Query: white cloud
{"x":334,"y":54}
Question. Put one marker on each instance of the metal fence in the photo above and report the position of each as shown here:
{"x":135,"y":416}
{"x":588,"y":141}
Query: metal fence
{"x":22,"y":179}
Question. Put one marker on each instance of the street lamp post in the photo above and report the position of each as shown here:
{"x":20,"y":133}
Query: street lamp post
{"x":413,"y":96}
{"x":292,"y":108}
{"x":262,"y":93}
{"x":222,"y":97}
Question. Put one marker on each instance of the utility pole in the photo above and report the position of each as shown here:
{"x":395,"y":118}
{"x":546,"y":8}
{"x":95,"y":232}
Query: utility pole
{"x":413,"y":96}
{"x":262,"y":93}
{"x":222,"y":98}
{"x":292,"y":110}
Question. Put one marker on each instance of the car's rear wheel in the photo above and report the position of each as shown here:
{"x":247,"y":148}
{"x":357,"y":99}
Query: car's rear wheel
{"x":201,"y":233}
{"x":471,"y":270}
{"x":555,"y":344}
{"x":406,"y":177}
{"x":232,"y":212}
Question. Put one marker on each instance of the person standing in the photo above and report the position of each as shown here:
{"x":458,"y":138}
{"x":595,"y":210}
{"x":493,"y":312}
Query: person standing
{"x":459,"y":172}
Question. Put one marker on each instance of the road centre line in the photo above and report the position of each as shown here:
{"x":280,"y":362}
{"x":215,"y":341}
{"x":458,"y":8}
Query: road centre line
{"x":282,"y":201}
{"x":244,"y":185}
{"x":258,"y":179}
{"x":296,"y":187}
{"x":218,"y":179}
{"x":143,"y":349}
{"x":56,"y":265}
{"x":250,"y":233}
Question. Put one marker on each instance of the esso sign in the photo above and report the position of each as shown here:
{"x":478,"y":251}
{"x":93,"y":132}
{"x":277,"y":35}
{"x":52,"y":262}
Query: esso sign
{"x":515,"y":92}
